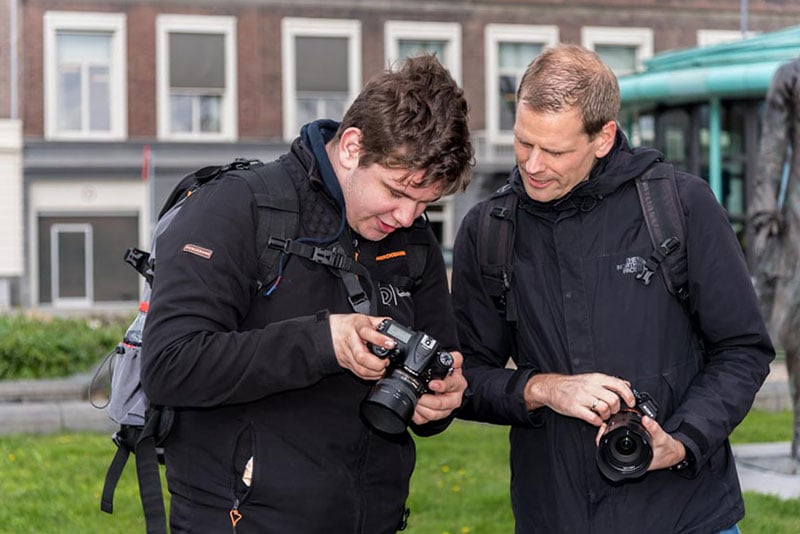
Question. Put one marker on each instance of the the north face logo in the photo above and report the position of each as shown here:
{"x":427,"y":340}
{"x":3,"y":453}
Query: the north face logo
{"x":633,"y":265}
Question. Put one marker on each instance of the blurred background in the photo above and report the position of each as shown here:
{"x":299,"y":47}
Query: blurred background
{"x":105,"y":104}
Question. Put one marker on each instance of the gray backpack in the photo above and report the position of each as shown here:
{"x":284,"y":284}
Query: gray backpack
{"x":143,"y":427}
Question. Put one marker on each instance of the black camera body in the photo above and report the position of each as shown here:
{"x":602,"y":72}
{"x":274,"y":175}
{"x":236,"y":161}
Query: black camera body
{"x":415,"y":360}
{"x":625,"y":451}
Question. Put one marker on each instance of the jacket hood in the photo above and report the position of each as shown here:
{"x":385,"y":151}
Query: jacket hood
{"x":309,"y":148}
{"x":621,"y":165}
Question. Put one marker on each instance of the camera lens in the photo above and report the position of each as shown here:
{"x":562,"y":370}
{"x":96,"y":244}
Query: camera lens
{"x":390,"y":404}
{"x":624,"y":450}
{"x":626,"y":445}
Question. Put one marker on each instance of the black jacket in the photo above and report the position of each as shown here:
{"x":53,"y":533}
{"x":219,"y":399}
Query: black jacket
{"x":581,"y":309}
{"x":257,"y":376}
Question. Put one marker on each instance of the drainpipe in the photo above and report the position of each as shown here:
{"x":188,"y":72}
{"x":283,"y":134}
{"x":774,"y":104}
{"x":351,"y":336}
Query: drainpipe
{"x":743,"y":18}
{"x":14,"y":63}
{"x":715,"y":147}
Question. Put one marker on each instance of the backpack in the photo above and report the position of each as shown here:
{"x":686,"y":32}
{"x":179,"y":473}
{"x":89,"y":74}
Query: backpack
{"x":663,"y":214}
{"x":144,"y":427}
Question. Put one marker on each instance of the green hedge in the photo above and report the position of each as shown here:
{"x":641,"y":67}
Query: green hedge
{"x":46,"y":347}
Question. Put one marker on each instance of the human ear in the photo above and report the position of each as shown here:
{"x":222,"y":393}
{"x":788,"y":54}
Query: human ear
{"x":604,"y":139}
{"x":350,"y":148}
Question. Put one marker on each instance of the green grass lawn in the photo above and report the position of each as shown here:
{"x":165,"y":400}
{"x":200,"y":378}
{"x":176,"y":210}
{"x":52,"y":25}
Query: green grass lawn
{"x":52,"y":484}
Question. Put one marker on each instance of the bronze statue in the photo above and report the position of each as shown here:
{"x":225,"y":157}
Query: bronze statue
{"x":775,"y":220}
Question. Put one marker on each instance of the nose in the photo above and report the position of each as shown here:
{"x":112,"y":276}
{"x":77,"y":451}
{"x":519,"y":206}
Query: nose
{"x":407,"y":212}
{"x":534,"y":164}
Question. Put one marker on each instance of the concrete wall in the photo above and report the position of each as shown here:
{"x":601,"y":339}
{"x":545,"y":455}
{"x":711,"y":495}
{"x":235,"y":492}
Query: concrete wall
{"x":11,"y":202}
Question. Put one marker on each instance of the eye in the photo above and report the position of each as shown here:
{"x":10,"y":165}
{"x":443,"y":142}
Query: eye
{"x":394,"y":193}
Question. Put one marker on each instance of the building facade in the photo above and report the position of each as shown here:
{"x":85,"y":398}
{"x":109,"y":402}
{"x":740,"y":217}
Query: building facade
{"x":105,"y":104}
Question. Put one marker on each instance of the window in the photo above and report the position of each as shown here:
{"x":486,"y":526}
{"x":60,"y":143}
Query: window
{"x":74,"y":252}
{"x":196,"y":78}
{"x":623,"y":49}
{"x":712,"y":37}
{"x":408,"y":39}
{"x":322,"y":70}
{"x":84,"y":76}
{"x":509,"y":50}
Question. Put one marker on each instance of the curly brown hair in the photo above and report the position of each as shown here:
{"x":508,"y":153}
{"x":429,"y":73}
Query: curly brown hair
{"x":569,"y":75}
{"x":415,"y":118}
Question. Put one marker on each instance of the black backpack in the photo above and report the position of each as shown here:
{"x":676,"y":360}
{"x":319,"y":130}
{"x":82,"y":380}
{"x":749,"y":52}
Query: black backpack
{"x":144,"y":427}
{"x":663,"y":214}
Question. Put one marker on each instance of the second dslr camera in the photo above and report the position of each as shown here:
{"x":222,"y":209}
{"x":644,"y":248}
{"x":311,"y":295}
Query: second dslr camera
{"x":625,"y":450}
{"x":415,"y":360}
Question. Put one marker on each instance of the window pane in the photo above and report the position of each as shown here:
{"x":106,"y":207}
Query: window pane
{"x":99,"y":99}
{"x":197,"y":60}
{"x":621,"y":59}
{"x":80,"y":56}
{"x":334,"y":108}
{"x":86,"y":48}
{"x":517,"y":55}
{"x":306,"y":110}
{"x":507,"y":102}
{"x":72,"y":264}
{"x":321,"y":64}
{"x":180,"y":107}
{"x":412,"y":48}
{"x":69,"y":99}
{"x":210,"y":113}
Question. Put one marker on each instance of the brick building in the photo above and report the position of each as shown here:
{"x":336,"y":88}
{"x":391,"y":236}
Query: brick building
{"x":89,"y":88}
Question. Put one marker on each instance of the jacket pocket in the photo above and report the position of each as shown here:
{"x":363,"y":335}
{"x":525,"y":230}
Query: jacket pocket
{"x":244,"y":465}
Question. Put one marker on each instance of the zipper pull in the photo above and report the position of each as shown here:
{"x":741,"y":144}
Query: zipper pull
{"x":235,"y":515}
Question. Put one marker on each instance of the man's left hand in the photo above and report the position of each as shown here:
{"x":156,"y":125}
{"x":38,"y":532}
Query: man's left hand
{"x":667,"y":451}
{"x":446,"y":397}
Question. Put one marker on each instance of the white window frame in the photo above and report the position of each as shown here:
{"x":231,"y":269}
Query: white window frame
{"x":55,"y":290}
{"x":712,"y":37}
{"x":114,"y":23}
{"x":395,"y":30}
{"x":507,"y":33}
{"x":165,"y":24}
{"x":639,"y":38}
{"x":310,"y":27}
{"x":444,"y":216}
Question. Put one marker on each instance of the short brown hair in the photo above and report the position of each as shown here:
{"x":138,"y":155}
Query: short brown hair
{"x":566,"y":76}
{"x":415,"y":118}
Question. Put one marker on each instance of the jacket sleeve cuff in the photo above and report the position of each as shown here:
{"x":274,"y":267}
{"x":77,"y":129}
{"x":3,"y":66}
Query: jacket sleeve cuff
{"x":694,"y":456}
{"x":320,"y":334}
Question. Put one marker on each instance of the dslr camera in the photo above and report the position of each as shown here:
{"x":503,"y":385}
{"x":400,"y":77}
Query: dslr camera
{"x":415,"y":360}
{"x":624,"y":451}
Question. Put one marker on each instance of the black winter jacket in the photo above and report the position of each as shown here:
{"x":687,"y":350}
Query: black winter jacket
{"x":581,"y":309}
{"x":257,"y":376}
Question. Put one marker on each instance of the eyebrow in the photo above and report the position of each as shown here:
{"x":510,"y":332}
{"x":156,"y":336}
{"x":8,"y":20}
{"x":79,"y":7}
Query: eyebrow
{"x":404,"y":193}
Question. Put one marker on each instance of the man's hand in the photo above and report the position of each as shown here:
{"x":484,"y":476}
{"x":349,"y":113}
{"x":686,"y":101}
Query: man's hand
{"x":447,"y":395}
{"x":593,"y":397}
{"x":667,"y":451}
{"x":350,"y":334}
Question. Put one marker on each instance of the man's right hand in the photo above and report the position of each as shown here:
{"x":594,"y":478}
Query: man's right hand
{"x":593,"y":397}
{"x":350,"y":334}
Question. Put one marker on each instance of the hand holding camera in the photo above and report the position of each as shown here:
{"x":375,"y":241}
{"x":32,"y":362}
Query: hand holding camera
{"x":415,"y":360}
{"x":625,"y":450}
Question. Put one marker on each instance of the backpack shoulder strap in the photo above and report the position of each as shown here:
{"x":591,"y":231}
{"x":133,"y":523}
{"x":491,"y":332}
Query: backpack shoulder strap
{"x":663,"y":214}
{"x":415,"y":245}
{"x":278,"y":213}
{"x":495,"y":247}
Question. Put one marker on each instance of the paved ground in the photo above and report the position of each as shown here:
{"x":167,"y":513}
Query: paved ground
{"x":43,"y":406}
